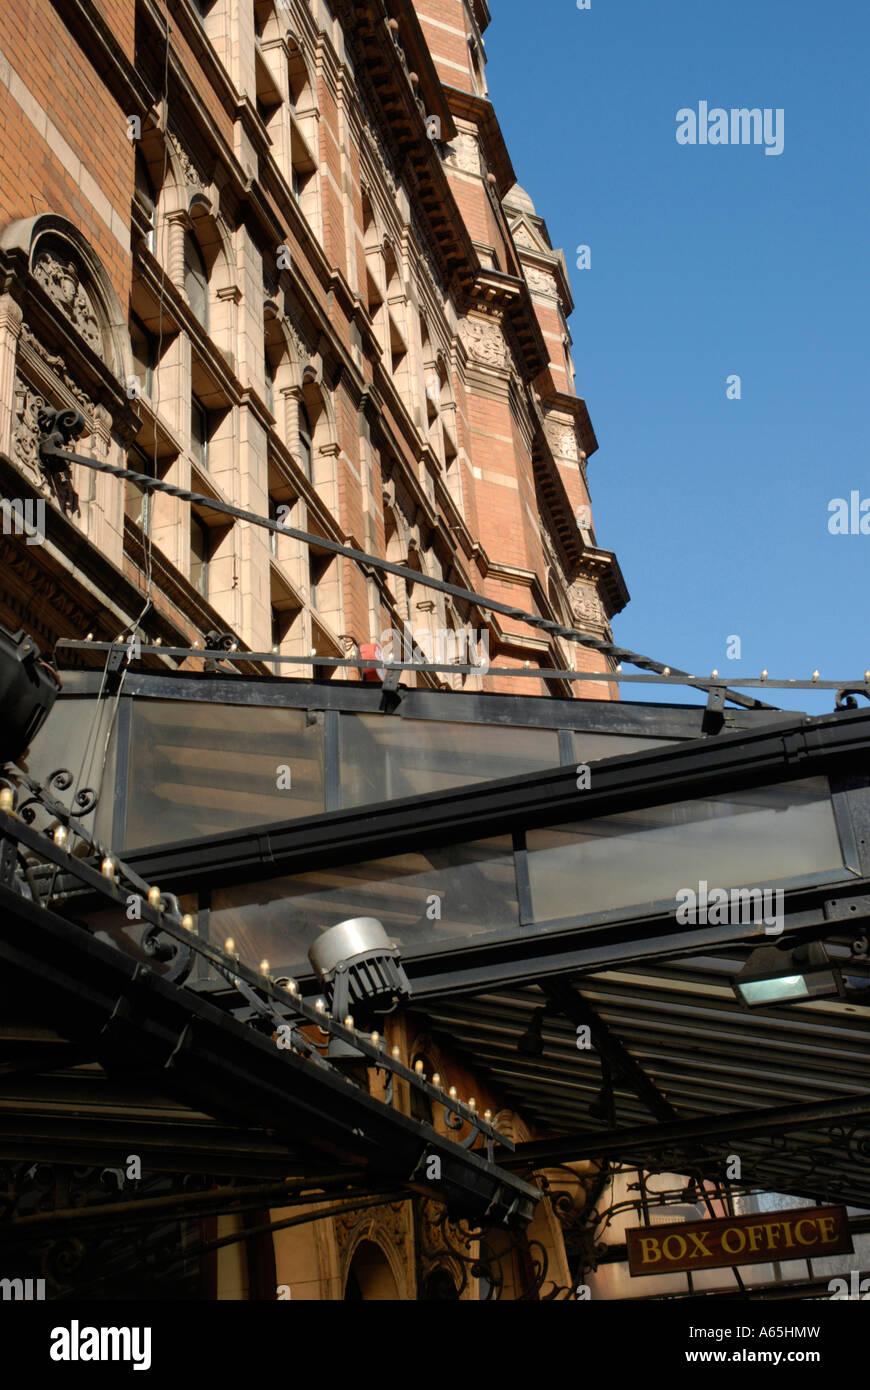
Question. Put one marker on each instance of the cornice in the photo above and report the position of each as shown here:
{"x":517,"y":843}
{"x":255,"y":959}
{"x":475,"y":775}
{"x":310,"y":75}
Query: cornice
{"x":574,"y":406}
{"x":481,"y":113}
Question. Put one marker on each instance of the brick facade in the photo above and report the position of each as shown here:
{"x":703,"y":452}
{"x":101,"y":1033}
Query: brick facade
{"x":251,"y":265}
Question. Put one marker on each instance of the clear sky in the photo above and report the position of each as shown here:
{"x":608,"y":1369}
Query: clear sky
{"x":707,"y":261}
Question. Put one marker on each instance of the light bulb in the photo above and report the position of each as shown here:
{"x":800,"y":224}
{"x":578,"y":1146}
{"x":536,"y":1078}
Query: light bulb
{"x":348,"y":1022}
{"x":713,"y":674}
{"x":395,"y":1052}
{"x":153,"y":897}
{"x":229,"y":947}
{"x":107,"y":868}
{"x":264,"y":967}
{"x":867,"y":676}
{"x":436,"y":1079}
{"x":375,"y":1039}
{"x":187,"y":922}
{"x":418,"y":1067}
{"x":764,"y":675}
{"x":7,"y":800}
{"x":61,"y":835}
{"x":487,"y":1115}
{"x":815,"y":675}
{"x":452,"y":1093}
{"x":472,"y":1103}
{"x":291,"y":987}
{"x":666,"y":671}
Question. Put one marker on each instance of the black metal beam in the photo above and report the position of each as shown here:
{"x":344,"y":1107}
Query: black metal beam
{"x":618,"y":1144}
{"x":577,"y":1009}
{"x":151,"y":1028}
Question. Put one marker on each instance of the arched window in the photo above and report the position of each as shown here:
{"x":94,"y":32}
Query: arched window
{"x":196,"y":280}
{"x":370,"y":1276}
{"x":298,"y":84}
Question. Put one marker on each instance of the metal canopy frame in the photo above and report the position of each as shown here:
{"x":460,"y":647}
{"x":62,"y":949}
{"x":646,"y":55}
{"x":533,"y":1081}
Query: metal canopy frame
{"x":814,"y":1146}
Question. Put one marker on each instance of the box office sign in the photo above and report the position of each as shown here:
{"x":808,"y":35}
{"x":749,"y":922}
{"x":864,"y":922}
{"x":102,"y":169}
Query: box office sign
{"x":739,"y":1240}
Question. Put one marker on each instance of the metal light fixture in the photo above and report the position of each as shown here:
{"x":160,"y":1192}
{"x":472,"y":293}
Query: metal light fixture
{"x":360,"y":967}
{"x":28,"y":687}
{"x":773,"y":976}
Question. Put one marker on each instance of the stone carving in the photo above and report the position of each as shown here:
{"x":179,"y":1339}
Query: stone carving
{"x":25,"y":429}
{"x":483,"y":342}
{"x":523,"y":237}
{"x":562,"y":439}
{"x":464,"y":154}
{"x":388,"y":1221}
{"x":57,"y":365}
{"x":61,"y":281}
{"x":188,"y":168}
{"x":540,"y":280}
{"x":379,"y":150}
{"x":586,"y":605}
{"x":40,"y":585}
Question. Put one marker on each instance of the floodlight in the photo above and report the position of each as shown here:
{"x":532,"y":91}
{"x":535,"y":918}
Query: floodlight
{"x":773,"y":976}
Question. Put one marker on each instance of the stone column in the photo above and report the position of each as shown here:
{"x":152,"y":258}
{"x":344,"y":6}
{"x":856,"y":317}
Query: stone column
{"x":10,"y":331}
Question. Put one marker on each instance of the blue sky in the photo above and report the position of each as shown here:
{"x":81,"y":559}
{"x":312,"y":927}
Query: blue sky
{"x":709,"y":261}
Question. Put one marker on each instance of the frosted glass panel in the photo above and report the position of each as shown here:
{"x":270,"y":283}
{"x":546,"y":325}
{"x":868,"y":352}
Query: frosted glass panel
{"x":383,"y":758}
{"x":739,"y":839}
{"x":461,"y":891}
{"x":200,"y":769}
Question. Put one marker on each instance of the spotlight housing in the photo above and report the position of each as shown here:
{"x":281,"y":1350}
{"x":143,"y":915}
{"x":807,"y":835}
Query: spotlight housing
{"x":773,"y":976}
{"x":28,"y":688}
{"x":360,"y":967}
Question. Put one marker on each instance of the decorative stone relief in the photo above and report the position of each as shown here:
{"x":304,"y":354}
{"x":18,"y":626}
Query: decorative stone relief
{"x":483,"y":342}
{"x":379,"y":150}
{"x":523,"y":237}
{"x":25,"y":428}
{"x":61,"y":281}
{"x":540,"y":280}
{"x":464,"y":154}
{"x":57,"y":365}
{"x":390,"y":1222}
{"x":562,"y":439}
{"x":191,"y":173}
{"x":586,"y":605}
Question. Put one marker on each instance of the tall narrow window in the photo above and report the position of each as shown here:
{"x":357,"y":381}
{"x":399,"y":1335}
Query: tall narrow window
{"x":195,"y":279}
{"x":138,"y":503}
{"x":200,"y":549}
{"x":305,"y":441}
{"x":270,"y":384}
{"x":273,"y":535}
{"x":145,"y":196}
{"x":277,"y":635}
{"x":199,"y":432}
{"x":144,"y":346}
